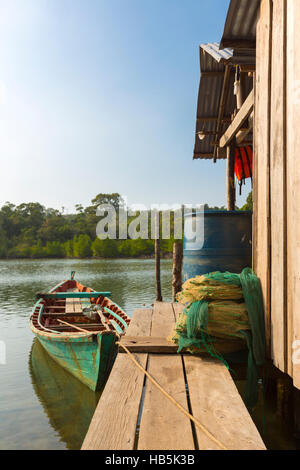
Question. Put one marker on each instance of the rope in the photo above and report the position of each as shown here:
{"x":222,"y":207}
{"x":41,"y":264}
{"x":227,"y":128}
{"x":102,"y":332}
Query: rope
{"x":166,"y":394}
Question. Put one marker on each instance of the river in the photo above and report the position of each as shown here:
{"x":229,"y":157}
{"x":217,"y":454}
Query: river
{"x":41,"y":405}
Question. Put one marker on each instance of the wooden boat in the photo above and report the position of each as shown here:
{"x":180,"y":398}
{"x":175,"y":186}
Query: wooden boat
{"x":79,"y":327}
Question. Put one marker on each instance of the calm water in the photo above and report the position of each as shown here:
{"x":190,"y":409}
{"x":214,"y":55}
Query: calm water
{"x":44,"y":407}
{"x":41,"y":405}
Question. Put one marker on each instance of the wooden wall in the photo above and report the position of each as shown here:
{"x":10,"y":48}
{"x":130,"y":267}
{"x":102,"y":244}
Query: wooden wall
{"x":276,"y":233}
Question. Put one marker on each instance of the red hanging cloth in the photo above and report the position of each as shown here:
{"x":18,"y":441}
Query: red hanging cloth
{"x":243,"y":165}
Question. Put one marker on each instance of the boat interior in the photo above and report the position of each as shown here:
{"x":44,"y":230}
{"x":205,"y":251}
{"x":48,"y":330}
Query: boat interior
{"x":77,"y":314}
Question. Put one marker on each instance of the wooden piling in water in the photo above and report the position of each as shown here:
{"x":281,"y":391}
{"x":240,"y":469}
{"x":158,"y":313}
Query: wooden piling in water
{"x":177,"y":268}
{"x":157,"y":257}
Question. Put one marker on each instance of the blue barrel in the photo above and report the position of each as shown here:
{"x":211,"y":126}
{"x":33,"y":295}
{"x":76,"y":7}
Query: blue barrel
{"x":220,"y":241}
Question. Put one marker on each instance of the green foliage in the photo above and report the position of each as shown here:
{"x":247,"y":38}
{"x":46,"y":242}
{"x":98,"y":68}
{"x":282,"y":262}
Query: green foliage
{"x":54,"y":250}
{"x":33,"y":231}
{"x":249,"y":203}
{"x":215,"y":208}
{"x":82,"y":246}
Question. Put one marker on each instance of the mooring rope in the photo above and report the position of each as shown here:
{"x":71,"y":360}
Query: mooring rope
{"x":167,"y":395}
{"x":160,"y":388}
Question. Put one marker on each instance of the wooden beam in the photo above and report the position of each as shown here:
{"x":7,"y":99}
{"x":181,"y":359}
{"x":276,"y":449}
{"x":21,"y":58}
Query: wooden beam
{"x":213,"y":119}
{"x":224,"y":94}
{"x":238,"y":43}
{"x":241,"y":90}
{"x":243,"y":133}
{"x":261,"y":186}
{"x":230,"y":178}
{"x":238,"y":121}
{"x":248,"y":68}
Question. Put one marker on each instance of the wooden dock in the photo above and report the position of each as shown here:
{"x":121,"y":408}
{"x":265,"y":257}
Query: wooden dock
{"x":133,"y":414}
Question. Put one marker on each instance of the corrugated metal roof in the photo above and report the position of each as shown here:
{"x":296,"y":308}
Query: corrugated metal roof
{"x":215,"y":52}
{"x":212,"y":64}
{"x":240,"y":26}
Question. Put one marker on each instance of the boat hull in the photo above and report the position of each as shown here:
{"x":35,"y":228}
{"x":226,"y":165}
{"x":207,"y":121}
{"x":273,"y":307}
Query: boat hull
{"x":89,"y":359}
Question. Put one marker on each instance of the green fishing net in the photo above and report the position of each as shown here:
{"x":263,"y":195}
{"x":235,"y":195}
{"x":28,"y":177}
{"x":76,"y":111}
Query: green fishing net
{"x":223,"y":314}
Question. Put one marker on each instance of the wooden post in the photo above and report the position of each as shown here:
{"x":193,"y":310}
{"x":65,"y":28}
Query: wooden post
{"x":177,"y":268}
{"x":157,"y":257}
{"x":230,"y":178}
{"x":240,"y":92}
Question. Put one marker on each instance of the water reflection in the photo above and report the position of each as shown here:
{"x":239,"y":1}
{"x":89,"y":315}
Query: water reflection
{"x":68,"y":404}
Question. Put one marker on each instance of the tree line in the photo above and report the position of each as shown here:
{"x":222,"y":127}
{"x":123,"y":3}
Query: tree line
{"x":30,"y":230}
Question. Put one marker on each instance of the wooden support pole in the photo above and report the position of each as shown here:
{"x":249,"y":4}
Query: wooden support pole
{"x":230,"y":178}
{"x":240,"y":92}
{"x":177,"y":268}
{"x":157,"y":257}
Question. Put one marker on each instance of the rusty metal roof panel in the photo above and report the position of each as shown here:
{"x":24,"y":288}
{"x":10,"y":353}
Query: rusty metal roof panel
{"x":240,"y":26}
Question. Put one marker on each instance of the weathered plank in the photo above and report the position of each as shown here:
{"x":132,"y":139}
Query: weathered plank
{"x":261,"y":213}
{"x":293,"y":187}
{"x":163,"y":426}
{"x":178,"y":308}
{"x":69,"y":306}
{"x":77,"y":305}
{"x":148,"y":344}
{"x":278,"y":187}
{"x":216,"y":403}
{"x":238,"y":121}
{"x":113,"y":426}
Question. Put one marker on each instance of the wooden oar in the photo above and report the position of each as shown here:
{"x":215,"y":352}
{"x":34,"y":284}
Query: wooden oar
{"x":74,"y":326}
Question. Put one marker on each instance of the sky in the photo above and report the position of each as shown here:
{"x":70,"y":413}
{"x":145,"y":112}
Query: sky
{"x":99,"y":96}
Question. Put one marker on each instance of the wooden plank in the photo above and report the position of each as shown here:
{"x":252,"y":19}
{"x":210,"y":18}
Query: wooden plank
{"x":178,"y":309}
{"x":163,"y":426}
{"x":216,"y":403}
{"x":113,"y":426}
{"x":69,"y":308}
{"x":243,"y":133}
{"x":293,"y":187}
{"x":77,"y":305}
{"x":278,"y":187}
{"x":262,"y":239}
{"x":238,"y":121}
{"x":148,"y":344}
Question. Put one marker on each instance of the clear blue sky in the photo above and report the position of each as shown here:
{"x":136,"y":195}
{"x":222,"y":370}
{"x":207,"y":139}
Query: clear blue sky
{"x":100,"y":96}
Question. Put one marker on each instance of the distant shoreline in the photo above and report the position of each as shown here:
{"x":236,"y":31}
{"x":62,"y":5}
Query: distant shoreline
{"x":163,"y":256}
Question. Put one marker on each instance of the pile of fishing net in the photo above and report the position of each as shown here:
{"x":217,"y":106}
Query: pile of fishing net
{"x":223,"y":314}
